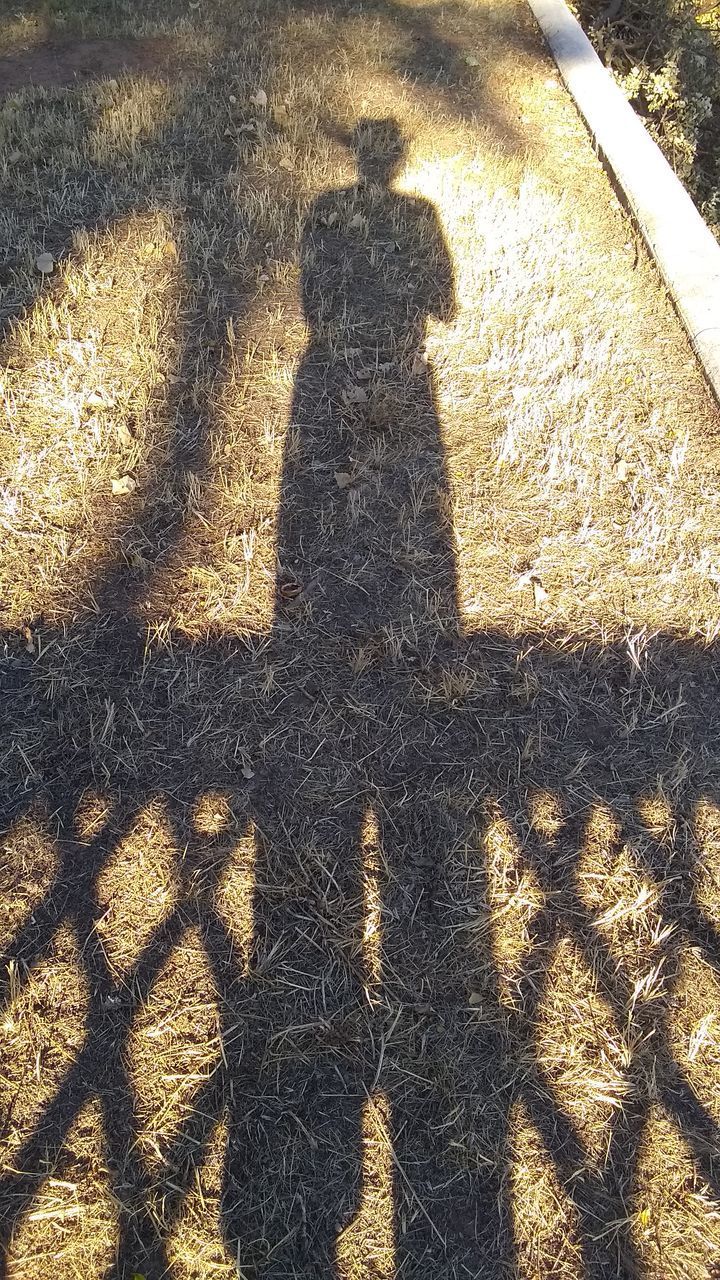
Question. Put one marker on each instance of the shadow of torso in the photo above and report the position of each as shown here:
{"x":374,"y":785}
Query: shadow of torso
{"x":364,"y":525}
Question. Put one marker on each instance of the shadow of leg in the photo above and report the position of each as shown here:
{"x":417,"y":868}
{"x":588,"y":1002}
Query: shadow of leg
{"x":445,"y":1065}
{"x":296,"y":1089}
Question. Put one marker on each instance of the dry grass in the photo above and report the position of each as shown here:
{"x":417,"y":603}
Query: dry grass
{"x":359,"y":595}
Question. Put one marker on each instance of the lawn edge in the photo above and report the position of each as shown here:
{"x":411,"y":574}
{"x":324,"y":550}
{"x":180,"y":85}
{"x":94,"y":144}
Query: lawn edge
{"x":685,"y":250}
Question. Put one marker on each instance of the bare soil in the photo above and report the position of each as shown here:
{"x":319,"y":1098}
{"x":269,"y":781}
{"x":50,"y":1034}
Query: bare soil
{"x":60,"y":63}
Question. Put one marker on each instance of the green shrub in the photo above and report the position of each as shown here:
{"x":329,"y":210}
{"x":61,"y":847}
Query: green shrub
{"x":665,"y":55}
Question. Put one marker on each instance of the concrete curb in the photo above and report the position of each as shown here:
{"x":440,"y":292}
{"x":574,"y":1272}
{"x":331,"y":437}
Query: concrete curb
{"x":685,"y":250}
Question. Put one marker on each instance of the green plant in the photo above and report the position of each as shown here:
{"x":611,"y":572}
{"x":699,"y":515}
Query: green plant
{"x":665,"y":55}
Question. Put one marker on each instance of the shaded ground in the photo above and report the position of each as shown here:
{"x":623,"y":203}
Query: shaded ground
{"x":72,"y":61}
{"x":360,"y":599}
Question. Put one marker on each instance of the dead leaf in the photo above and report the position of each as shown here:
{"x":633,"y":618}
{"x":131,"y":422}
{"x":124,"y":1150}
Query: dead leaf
{"x":125,"y":435}
{"x":533,"y":579}
{"x":419,"y":364}
{"x":471,"y":60}
{"x":14,"y":157}
{"x":246,"y":771}
{"x":343,"y":479}
{"x":123,"y":486}
{"x":287,"y":164}
{"x":621,"y":469}
{"x":475,"y":1000}
{"x":45,"y":264}
{"x":355,"y":395}
{"x":259,"y":98}
{"x":289,"y":590}
{"x":29,"y":640}
{"x":357,"y":222}
{"x":232,"y":99}
{"x":280,"y":114}
{"x":98,"y":400}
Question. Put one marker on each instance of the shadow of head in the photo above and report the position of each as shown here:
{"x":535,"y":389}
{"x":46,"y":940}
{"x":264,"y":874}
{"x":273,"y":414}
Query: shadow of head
{"x":380,"y":148}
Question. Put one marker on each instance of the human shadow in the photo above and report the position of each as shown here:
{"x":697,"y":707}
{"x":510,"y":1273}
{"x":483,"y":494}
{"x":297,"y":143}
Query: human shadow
{"x":377,"y":732}
{"x":364,"y":530}
{"x":365,"y":592}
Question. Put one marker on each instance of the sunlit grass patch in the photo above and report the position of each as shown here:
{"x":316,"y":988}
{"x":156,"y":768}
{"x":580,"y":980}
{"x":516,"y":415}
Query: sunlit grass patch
{"x":92,"y":813}
{"x":564,"y":464}
{"x":74,"y":1215}
{"x":196,"y":1245}
{"x":546,"y":1229}
{"x":173,"y":1047}
{"x":29,"y":861}
{"x":623,"y":899}
{"x":131,"y":116}
{"x":706,"y":872}
{"x":373,"y":883}
{"x":84,"y":385}
{"x":695,"y":1028}
{"x":514,"y":900}
{"x":675,"y":1214}
{"x":212,"y":813}
{"x":366,"y":1247}
{"x":43,"y":1030}
{"x":545,"y":811}
{"x":137,"y":888}
{"x":581,"y":1050}
{"x":234,"y":898}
